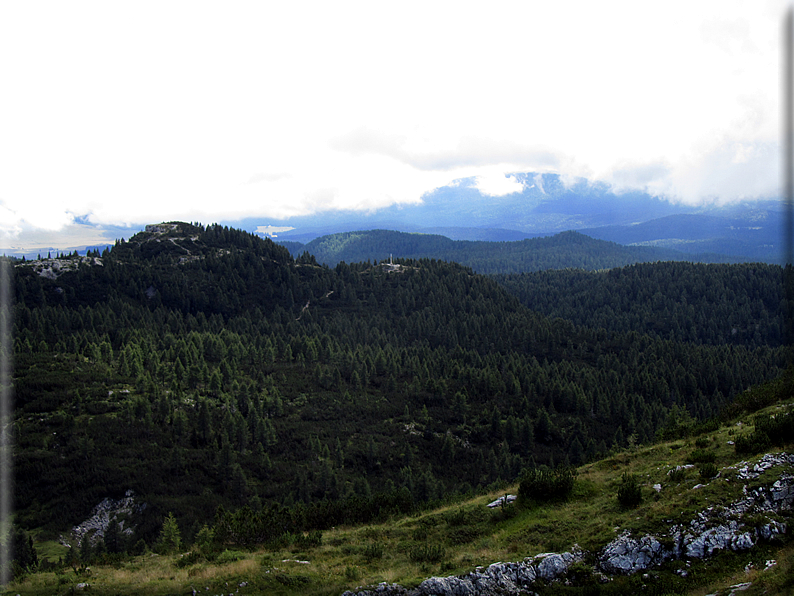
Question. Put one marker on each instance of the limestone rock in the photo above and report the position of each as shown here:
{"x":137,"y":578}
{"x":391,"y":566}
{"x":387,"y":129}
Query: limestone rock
{"x":627,"y":555}
{"x":448,"y":586}
{"x":502,"y":501}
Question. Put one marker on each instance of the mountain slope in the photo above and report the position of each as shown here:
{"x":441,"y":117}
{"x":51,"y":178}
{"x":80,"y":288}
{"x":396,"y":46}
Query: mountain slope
{"x":715,"y":527}
{"x":201,"y":367}
{"x":757,"y":235}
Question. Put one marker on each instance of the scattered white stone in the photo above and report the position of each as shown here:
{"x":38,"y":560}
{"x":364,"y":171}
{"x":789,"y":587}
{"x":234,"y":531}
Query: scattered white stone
{"x":502,"y":501}
{"x":657,"y":488}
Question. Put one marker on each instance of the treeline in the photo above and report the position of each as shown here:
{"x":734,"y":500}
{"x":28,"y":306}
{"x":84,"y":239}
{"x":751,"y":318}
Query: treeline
{"x":205,"y":367}
{"x":564,"y":250}
{"x":707,"y":304}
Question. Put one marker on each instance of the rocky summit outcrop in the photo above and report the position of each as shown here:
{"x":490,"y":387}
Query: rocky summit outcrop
{"x":737,"y":527}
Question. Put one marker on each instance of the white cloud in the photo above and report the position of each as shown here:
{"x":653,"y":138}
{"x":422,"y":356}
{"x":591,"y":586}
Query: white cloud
{"x":498,"y":185}
{"x":28,"y":239}
{"x":143,"y":112}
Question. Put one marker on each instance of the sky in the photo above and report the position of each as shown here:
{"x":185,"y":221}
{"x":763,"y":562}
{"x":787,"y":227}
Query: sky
{"x":126,"y":113}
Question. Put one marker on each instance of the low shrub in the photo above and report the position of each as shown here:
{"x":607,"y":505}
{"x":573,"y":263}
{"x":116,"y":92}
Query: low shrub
{"x":311,"y":540}
{"x":455,"y":518}
{"x":708,"y":470}
{"x":189,"y":559}
{"x":373,"y":551}
{"x":427,"y":553}
{"x":419,"y":534}
{"x":463,"y":535}
{"x":701,"y":456}
{"x":755,"y":442}
{"x":543,"y":484}
{"x":707,"y":426}
{"x":352,"y":573}
{"x":629,"y":491}
{"x":504,"y":511}
{"x":769,"y":430}
{"x":677,"y":474}
{"x":228,"y":556}
{"x":291,"y":581}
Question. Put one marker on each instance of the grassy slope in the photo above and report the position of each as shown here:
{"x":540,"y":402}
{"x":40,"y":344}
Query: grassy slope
{"x":457,"y":538}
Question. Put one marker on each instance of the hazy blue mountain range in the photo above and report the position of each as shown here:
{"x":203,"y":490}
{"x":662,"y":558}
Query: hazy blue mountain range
{"x":544,"y":207}
{"x":565,"y":250}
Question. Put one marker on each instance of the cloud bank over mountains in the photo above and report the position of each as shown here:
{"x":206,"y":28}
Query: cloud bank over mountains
{"x":120,"y":115}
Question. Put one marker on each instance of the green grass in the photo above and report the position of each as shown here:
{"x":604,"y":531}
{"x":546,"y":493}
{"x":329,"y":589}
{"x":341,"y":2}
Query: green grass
{"x":456,"y":538}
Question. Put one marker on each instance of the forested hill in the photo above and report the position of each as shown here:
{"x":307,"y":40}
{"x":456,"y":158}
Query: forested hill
{"x":714,"y":304}
{"x":203,"y":366}
{"x":564,"y":250}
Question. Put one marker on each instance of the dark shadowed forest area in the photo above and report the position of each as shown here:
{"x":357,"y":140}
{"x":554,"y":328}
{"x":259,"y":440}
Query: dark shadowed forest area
{"x":221,"y":379}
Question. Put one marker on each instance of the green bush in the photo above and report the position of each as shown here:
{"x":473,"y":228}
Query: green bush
{"x":708,"y":470}
{"x":543,"y":484}
{"x":189,"y":559}
{"x":677,"y":474}
{"x":310,"y":540}
{"x":629,"y":491}
{"x":373,"y":551}
{"x":419,"y":534}
{"x":755,"y":442}
{"x":701,"y":456}
{"x":228,"y":556}
{"x":427,"y":553}
{"x":503,"y":512}
{"x":352,"y":573}
{"x":291,"y":581}
{"x":464,"y":534}
{"x":455,"y":518}
{"x":769,"y":430}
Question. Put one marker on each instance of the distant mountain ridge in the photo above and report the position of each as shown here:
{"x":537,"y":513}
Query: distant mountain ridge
{"x":546,"y":205}
{"x":561,"y":251}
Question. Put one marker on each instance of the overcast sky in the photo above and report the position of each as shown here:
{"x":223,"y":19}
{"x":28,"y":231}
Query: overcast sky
{"x":136,"y":112}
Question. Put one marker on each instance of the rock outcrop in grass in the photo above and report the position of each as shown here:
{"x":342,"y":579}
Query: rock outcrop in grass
{"x":736,"y":527}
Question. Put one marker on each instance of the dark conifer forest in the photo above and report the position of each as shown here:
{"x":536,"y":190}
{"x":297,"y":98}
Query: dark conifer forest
{"x":713,"y":304}
{"x":225,"y":381}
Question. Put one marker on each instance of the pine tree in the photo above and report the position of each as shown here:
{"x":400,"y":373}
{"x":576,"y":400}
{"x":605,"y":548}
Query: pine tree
{"x":170,"y":537}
